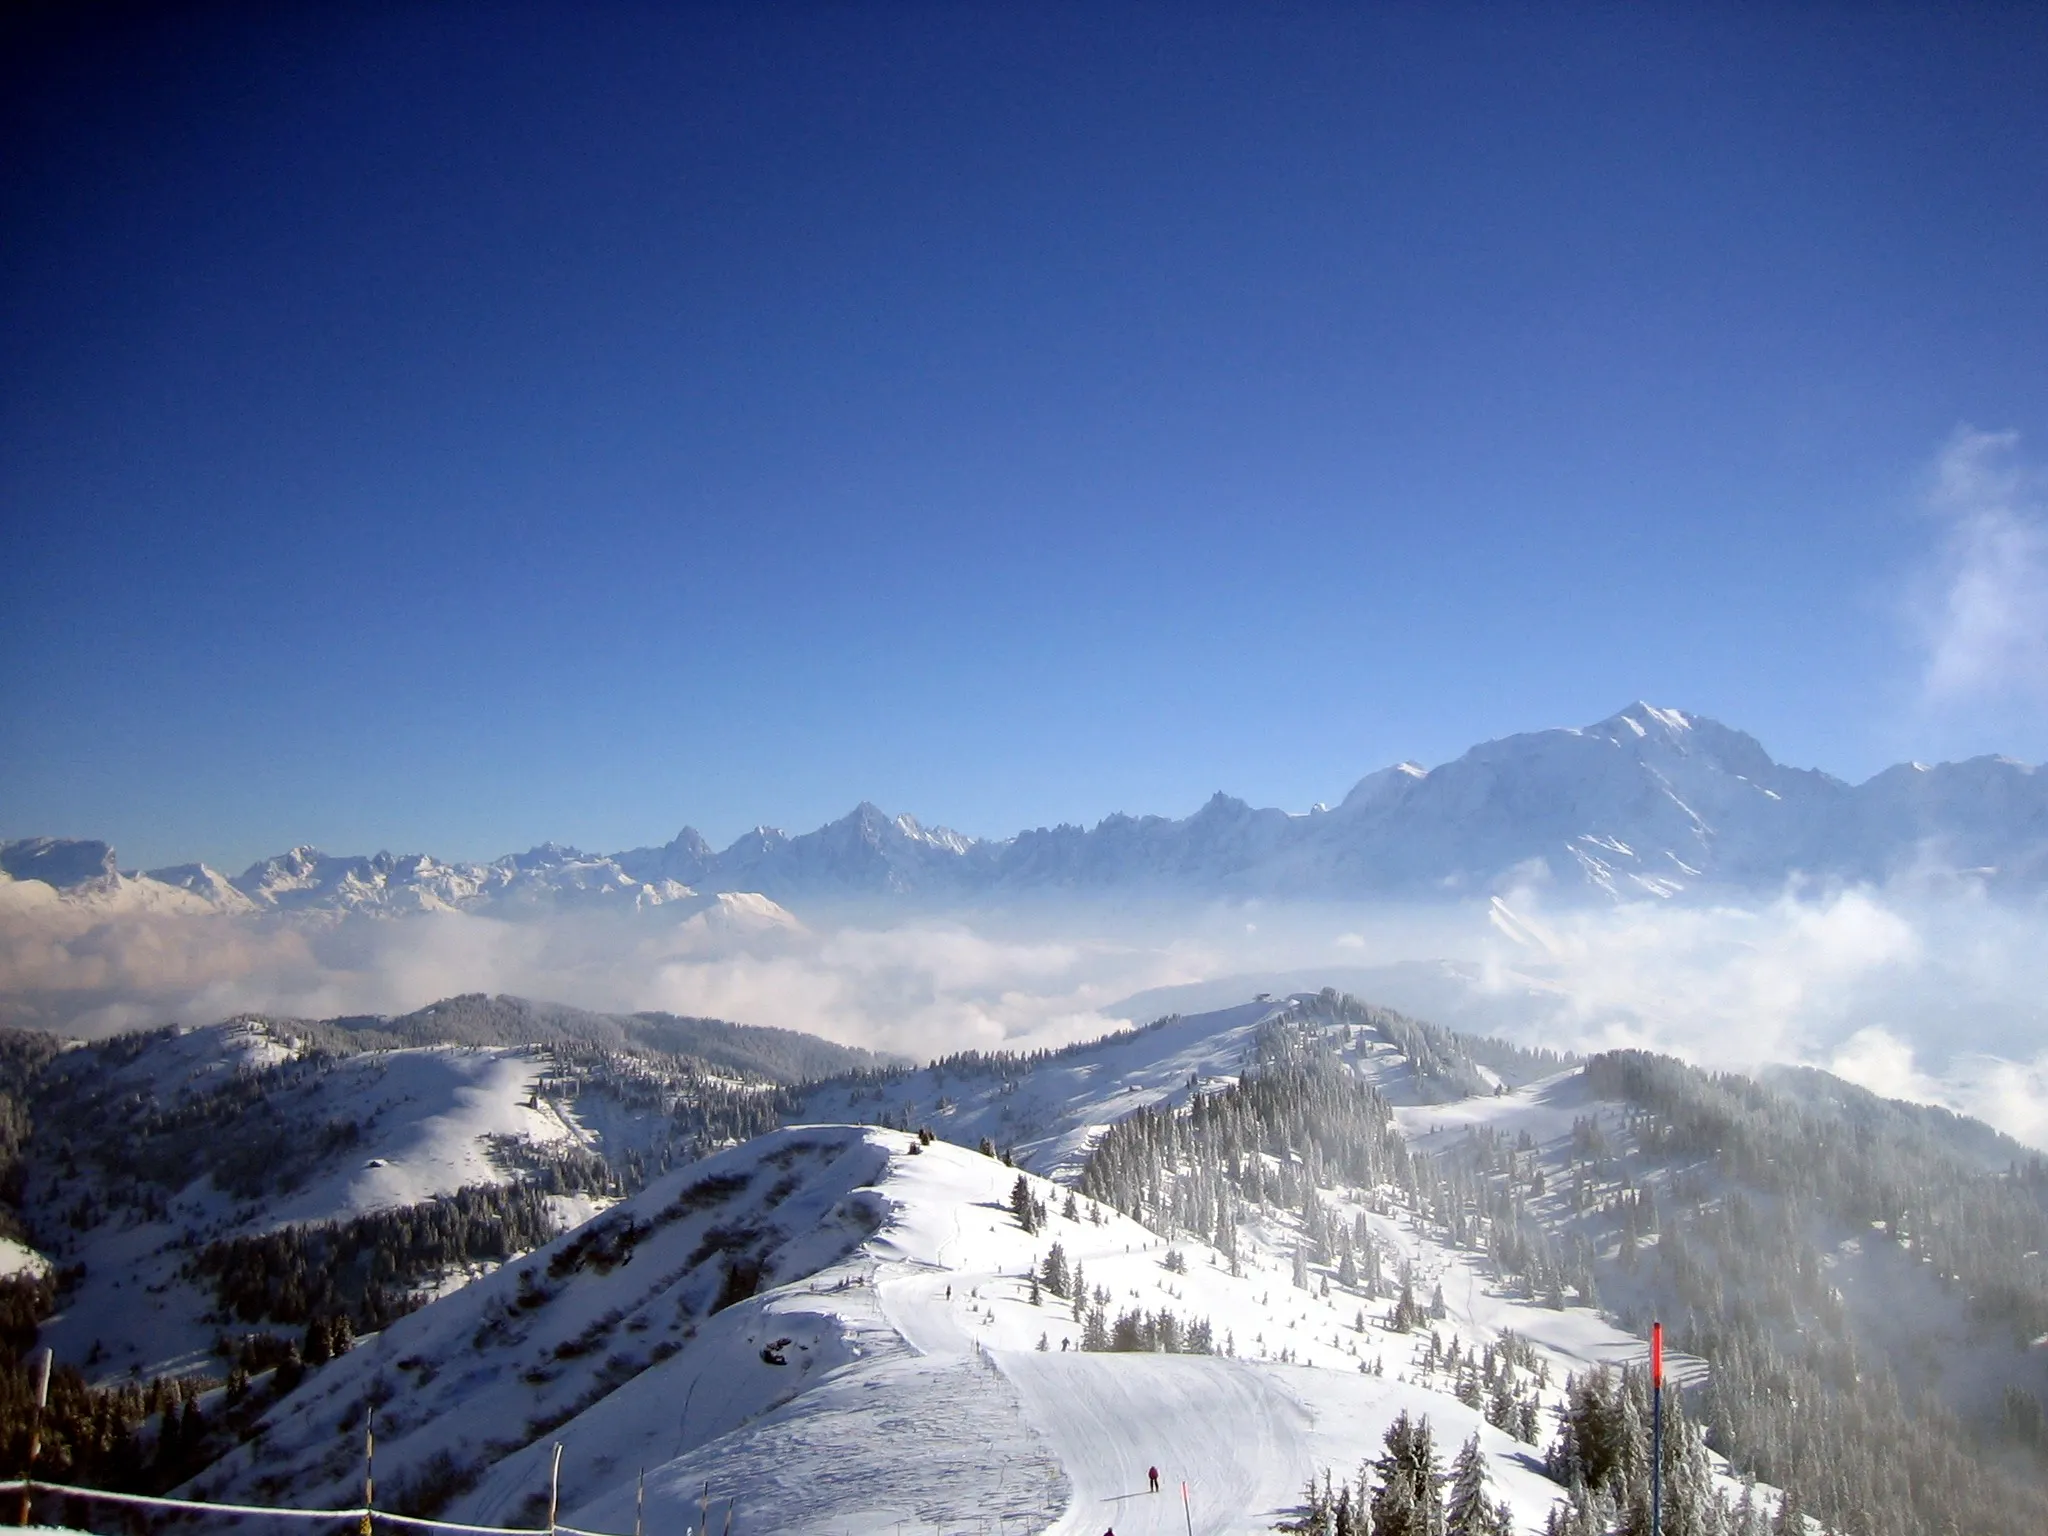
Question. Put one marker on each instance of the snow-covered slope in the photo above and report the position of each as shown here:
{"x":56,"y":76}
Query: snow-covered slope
{"x":1648,"y":802}
{"x":1349,"y":1216}
{"x":1046,"y":1111}
{"x":155,"y":1148}
{"x":841,"y":1327}
{"x":419,"y":1124}
{"x":890,"y":1369}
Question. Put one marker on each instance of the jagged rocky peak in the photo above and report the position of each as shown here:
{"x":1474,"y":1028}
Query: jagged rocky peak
{"x":62,"y":862}
{"x":544,"y":856}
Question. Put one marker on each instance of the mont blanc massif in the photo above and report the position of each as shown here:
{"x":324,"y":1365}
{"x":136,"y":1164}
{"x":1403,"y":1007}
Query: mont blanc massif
{"x":1300,"y":1262}
{"x":1649,"y":802}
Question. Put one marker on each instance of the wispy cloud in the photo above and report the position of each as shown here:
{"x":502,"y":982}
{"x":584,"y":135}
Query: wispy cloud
{"x":1984,"y":613}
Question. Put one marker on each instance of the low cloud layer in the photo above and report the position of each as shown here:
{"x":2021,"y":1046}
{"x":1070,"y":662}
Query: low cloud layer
{"x":1932,"y":999}
{"x":1936,"y":1000}
{"x":1984,"y":615}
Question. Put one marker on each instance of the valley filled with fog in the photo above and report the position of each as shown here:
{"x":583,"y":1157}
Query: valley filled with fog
{"x":1929,"y":997}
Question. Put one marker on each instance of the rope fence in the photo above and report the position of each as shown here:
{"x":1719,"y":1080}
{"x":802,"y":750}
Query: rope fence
{"x":364,"y":1519}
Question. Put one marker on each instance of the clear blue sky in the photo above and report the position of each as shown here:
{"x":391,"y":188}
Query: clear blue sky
{"x":450,"y":428}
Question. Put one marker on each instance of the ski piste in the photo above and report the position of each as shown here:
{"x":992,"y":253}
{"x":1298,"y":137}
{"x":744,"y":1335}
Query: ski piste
{"x":889,"y":1368}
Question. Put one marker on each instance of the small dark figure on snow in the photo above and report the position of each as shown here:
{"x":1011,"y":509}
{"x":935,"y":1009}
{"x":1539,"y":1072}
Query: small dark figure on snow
{"x":1153,"y":1473}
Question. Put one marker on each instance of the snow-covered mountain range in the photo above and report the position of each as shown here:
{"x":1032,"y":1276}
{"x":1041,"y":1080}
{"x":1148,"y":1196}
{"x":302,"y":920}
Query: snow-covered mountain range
{"x":1649,"y":802}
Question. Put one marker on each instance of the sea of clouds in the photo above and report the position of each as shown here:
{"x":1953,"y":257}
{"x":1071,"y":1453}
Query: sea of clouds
{"x":1937,"y":998}
{"x":1929,"y":990}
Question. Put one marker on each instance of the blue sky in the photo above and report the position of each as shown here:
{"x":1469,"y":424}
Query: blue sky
{"x":422,"y":428}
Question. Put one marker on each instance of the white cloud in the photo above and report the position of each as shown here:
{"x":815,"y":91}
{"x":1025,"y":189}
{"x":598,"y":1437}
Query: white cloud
{"x":1984,"y":617}
{"x":2012,"y":1095}
{"x":1934,"y":998}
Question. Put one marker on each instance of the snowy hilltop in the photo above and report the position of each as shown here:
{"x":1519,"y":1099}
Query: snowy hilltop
{"x":1649,"y":802}
{"x":837,"y":1333}
{"x":1296,"y":1256}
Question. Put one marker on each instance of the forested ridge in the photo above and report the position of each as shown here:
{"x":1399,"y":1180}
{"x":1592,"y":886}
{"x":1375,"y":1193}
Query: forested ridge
{"x":1708,"y":1204}
{"x":1739,"y":1192}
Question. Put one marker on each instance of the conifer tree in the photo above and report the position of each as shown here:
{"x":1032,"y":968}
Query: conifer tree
{"x":1021,"y":1204}
{"x":1406,"y":1313}
{"x":1347,"y":1518}
{"x":1054,"y":1271}
{"x":1791,"y":1519}
{"x":1468,"y":1513}
{"x":1407,"y":1497}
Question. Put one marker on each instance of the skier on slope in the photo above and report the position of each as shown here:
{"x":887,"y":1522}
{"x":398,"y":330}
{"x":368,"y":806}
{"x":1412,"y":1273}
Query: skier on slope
{"x":1153,"y":1473}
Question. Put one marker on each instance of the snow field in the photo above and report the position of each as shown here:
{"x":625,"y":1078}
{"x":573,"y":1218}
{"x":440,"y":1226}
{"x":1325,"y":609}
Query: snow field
{"x":430,"y":1112}
{"x":887,"y":1374}
{"x":427,"y":1117}
{"x":913,"y":1390}
{"x":1051,"y":1117}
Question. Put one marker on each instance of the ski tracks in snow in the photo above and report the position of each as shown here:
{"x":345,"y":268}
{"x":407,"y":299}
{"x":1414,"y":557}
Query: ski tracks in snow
{"x":1217,"y":1425}
{"x":1236,"y":1437}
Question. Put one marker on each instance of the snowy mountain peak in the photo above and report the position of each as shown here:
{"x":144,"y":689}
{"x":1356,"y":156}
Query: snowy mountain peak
{"x":543,"y":856}
{"x":1650,"y":801}
{"x":57,"y":861}
{"x":1383,"y":788}
{"x":690,"y":841}
{"x":1645,"y":719}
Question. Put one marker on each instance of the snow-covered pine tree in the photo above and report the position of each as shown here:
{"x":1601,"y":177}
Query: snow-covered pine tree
{"x":1791,"y":1519}
{"x":1021,"y":1204}
{"x":1407,"y":1497}
{"x":1468,"y":1513}
{"x":1348,"y":1518}
{"x":1054,"y":1271}
{"x":1394,"y":1512}
{"x":1406,"y":1313}
{"x":1691,"y":1507}
{"x":1313,"y":1517}
{"x":1095,"y":1329}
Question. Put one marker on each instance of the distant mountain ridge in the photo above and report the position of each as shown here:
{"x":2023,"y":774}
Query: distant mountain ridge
{"x":1648,"y":802}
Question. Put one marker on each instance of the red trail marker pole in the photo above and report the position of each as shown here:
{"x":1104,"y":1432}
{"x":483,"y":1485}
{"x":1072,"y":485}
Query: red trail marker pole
{"x":1187,"y":1513}
{"x":1656,"y":1429}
